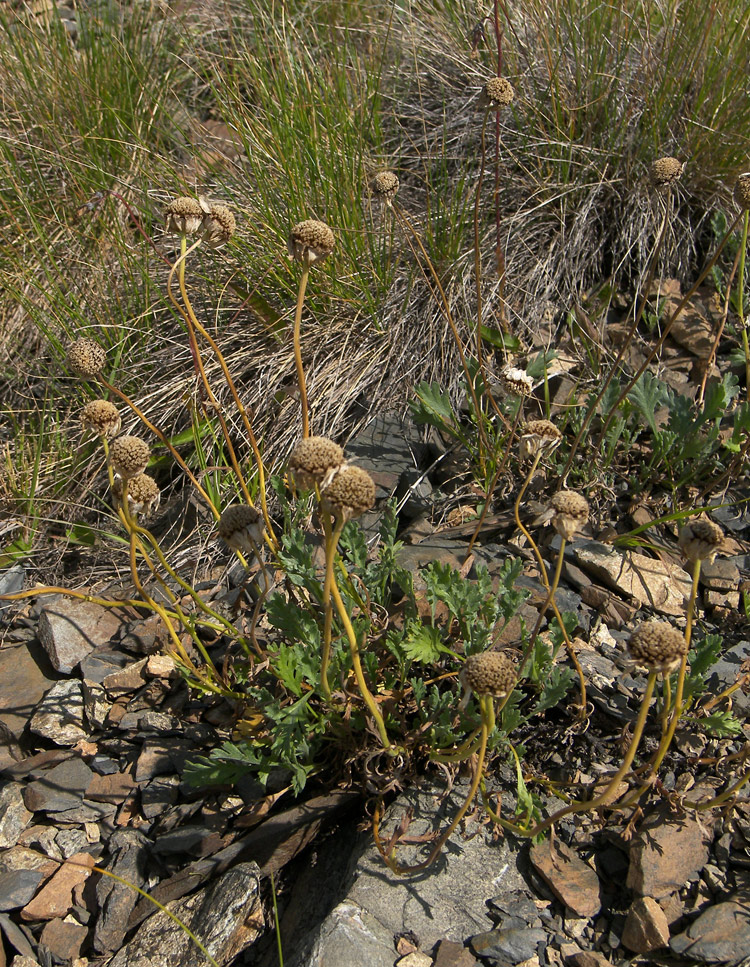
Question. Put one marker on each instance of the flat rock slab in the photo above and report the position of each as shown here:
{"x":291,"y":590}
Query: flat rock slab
{"x":56,"y":897}
{"x":221,"y":916}
{"x":14,"y":815}
{"x":25,"y":675}
{"x":646,"y":926}
{"x":17,"y":887}
{"x":69,"y":629}
{"x":720,"y":935}
{"x":448,"y":901}
{"x":652,"y":583}
{"x":60,"y":788}
{"x":573,"y":882}
{"x":665,"y":852}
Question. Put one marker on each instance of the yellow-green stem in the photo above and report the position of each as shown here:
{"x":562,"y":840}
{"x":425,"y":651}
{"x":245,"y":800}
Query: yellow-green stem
{"x":357,"y":666}
{"x":741,"y":301}
{"x":332,"y":536}
{"x":486,"y":704}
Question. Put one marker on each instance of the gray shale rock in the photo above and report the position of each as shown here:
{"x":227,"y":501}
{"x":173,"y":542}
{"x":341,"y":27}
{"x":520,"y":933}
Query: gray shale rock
{"x":70,"y":629}
{"x":116,"y":900}
{"x":221,"y":916}
{"x":721,"y":934}
{"x":60,"y":788}
{"x":14,"y":816}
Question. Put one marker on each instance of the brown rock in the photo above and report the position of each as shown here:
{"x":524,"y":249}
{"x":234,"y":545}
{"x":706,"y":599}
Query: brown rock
{"x":25,"y":675}
{"x":588,"y":958}
{"x":646,"y":926}
{"x":673,"y":908}
{"x":113,"y":788}
{"x":56,"y":896}
{"x":571,"y":880}
{"x":650,"y":582}
{"x":665,"y":852}
{"x":128,"y":679}
{"x":448,"y":953}
{"x":64,"y":940}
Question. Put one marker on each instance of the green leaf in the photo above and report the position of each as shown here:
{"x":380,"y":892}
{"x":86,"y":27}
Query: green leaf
{"x":423,"y":643}
{"x":721,"y":724}
{"x":648,"y":395}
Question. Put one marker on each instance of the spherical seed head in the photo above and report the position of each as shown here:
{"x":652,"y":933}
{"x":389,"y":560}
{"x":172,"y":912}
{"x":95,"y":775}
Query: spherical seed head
{"x":218,"y":225}
{"x":310,"y":241}
{"x":664,"y":172}
{"x":241,"y":526}
{"x":183,"y":216}
{"x":489,"y":673}
{"x":497,"y":92}
{"x":129,"y":456}
{"x":538,"y":436}
{"x":657,"y":646}
{"x":102,"y":418}
{"x":350,"y":493}
{"x":385,"y":185}
{"x":144,"y":496}
{"x":742,"y":191}
{"x":314,"y":461}
{"x":570,"y":512}
{"x":700,"y":540}
{"x":516,"y":382}
{"x":86,"y":358}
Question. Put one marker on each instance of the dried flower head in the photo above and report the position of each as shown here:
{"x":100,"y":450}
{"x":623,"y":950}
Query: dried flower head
{"x":488,"y":673}
{"x":516,"y":382}
{"x":497,"y":92}
{"x":129,"y":456}
{"x":218,"y":225}
{"x":102,"y":418}
{"x":385,"y":185}
{"x":314,"y":461}
{"x":184,"y":216}
{"x":664,"y":172}
{"x":350,"y":493}
{"x":538,"y":436}
{"x":86,"y":358}
{"x":570,"y":511}
{"x":310,"y":241}
{"x":700,"y":540}
{"x":241,"y":527}
{"x":742,"y":191}
{"x":144,"y":496}
{"x":657,"y":646}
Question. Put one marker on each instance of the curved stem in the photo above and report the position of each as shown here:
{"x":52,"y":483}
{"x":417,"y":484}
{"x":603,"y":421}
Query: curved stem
{"x":331,"y":543}
{"x":298,"y":347}
{"x":357,"y":666}
{"x":488,"y":724}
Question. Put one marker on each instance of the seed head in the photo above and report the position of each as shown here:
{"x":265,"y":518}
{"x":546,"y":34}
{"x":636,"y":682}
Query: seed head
{"x":488,"y":673}
{"x":218,"y":225}
{"x":665,"y":172}
{"x":516,"y":382}
{"x":497,"y":92}
{"x":538,"y":436}
{"x":700,"y":540}
{"x":183,"y":216}
{"x":314,"y":461}
{"x":350,"y":493}
{"x":102,"y":417}
{"x":657,"y":646}
{"x":310,"y":241}
{"x":143,"y":493}
{"x":241,"y":527}
{"x":385,"y":185}
{"x":86,"y":358}
{"x":742,"y":191}
{"x":129,"y":456}
{"x":570,"y":511}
